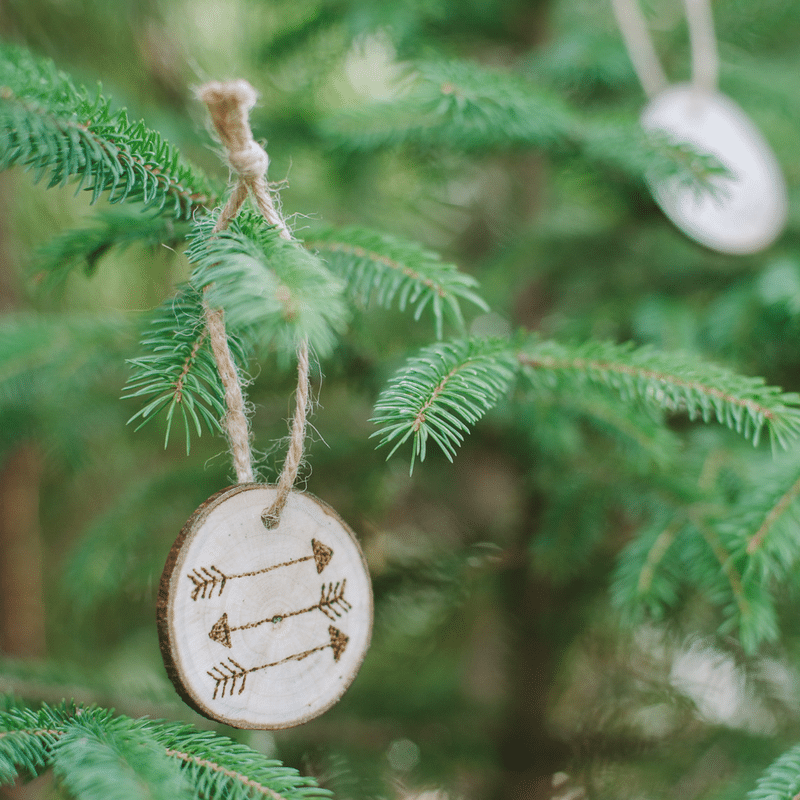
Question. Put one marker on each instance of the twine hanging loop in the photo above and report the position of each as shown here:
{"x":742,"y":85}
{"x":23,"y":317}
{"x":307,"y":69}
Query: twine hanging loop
{"x":271,"y":516}
{"x":229,"y":105}
{"x":705,"y":61}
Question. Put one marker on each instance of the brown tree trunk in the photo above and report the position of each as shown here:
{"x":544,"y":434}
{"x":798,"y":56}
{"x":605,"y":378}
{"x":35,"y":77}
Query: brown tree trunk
{"x":529,"y":753}
{"x":22,"y":629}
{"x":22,"y":619}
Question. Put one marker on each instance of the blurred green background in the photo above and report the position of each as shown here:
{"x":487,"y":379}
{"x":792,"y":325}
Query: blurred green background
{"x":500,"y":667}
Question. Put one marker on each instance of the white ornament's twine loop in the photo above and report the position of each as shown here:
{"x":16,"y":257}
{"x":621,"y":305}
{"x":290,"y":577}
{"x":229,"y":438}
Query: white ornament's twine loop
{"x":633,"y":27}
{"x":646,"y":64}
{"x":229,"y":105}
{"x":703,"y":41}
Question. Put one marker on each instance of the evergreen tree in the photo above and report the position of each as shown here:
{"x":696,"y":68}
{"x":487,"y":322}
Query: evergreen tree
{"x":571,"y":549}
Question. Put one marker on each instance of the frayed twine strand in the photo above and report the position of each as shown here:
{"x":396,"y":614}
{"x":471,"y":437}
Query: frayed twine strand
{"x":229,"y":105}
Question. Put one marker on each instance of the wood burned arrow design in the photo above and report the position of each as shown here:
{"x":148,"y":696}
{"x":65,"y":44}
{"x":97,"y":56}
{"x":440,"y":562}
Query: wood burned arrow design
{"x":228,"y":673}
{"x":206,"y":579}
{"x":331,"y":603}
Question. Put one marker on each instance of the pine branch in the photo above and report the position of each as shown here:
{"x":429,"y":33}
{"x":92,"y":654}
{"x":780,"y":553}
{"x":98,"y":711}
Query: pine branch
{"x":701,"y":547}
{"x":273,"y":292}
{"x":421,"y":400}
{"x":25,"y":741}
{"x":759,"y":537}
{"x":60,"y":133}
{"x":98,"y":756}
{"x":220,"y":767}
{"x":747,"y":603}
{"x":673,"y":382}
{"x":781,"y":780}
{"x":180,"y":374}
{"x":764,"y":522}
{"x":441,"y":392}
{"x":464,"y":106}
{"x":756,"y":621}
{"x":459,"y":105}
{"x":654,"y":155}
{"x":382,"y":268}
{"x":84,"y":247}
{"x":649,"y":572}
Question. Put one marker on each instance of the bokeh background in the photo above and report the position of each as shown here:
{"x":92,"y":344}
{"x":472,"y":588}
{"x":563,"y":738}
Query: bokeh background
{"x":501,"y":666}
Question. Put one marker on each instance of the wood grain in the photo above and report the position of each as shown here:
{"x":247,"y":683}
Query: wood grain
{"x":264,"y":628}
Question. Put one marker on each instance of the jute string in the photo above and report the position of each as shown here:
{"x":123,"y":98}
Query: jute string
{"x":703,"y":41}
{"x":705,"y":61}
{"x":229,"y":105}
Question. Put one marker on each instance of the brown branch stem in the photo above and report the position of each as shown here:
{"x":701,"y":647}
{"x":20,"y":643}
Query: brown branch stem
{"x":780,"y":508}
{"x":212,"y":765}
{"x":585,"y":365}
{"x":360,"y":252}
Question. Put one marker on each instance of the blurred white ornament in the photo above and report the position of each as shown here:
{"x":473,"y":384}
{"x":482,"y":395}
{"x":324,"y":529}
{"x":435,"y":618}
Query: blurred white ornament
{"x":747,"y":209}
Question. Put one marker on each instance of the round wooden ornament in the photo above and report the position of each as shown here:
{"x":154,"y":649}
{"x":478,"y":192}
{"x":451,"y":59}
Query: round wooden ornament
{"x":748,"y":210}
{"x":264,"y":628}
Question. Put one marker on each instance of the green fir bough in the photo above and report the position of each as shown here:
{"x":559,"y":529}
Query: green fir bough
{"x":62,"y":134}
{"x":98,"y":756}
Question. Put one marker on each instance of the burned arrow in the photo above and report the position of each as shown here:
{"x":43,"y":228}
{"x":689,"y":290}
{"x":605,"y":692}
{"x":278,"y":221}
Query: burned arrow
{"x":205,"y":580}
{"x":226,"y":675}
{"x":332,"y":604}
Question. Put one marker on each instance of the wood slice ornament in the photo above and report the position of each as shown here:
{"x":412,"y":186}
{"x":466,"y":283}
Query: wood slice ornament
{"x":264,"y":628}
{"x":747,"y":209}
{"x":265,"y":604}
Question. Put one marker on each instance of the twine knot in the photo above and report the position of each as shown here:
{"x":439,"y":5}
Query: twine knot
{"x":229,"y":104}
{"x":250,"y":163}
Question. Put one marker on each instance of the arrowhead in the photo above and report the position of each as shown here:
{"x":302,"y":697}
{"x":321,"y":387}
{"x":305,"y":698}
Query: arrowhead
{"x":338,"y":642}
{"x":221,"y":632}
{"x":322,"y":554}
